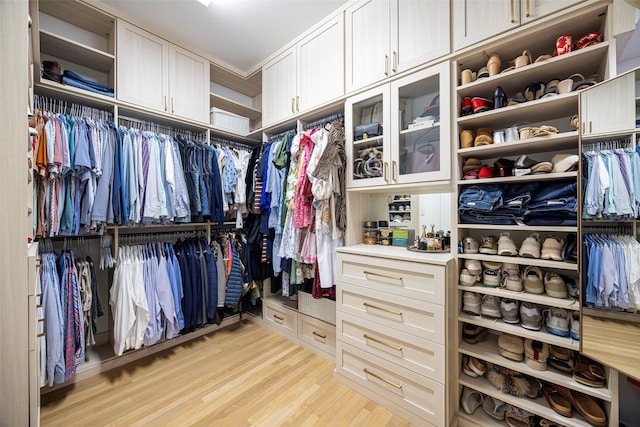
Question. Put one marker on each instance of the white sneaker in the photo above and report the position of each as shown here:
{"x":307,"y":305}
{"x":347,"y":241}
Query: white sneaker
{"x":531,"y":246}
{"x":575,"y":325}
{"x":472,"y":303}
{"x":512,"y":282}
{"x":474,"y":266}
{"x":467,"y":279}
{"x":552,"y":248}
{"x":510,"y":310}
{"x":491,"y":278}
{"x":506,"y":245}
{"x":557,"y":321}
{"x":533,"y":280}
{"x":511,"y":268}
{"x":490,"y":306}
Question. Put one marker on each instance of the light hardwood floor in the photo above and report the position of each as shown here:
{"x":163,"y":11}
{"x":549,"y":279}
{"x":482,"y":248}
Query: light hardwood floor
{"x":243,"y":375}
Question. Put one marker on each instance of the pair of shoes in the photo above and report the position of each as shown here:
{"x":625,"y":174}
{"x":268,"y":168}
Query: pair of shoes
{"x":471,"y":303}
{"x":589,"y":372}
{"x":511,"y":347}
{"x":530,"y":247}
{"x":531,"y":316}
{"x":562,"y":359}
{"x":509,"y":309}
{"x":473,"y":266}
{"x":473,"y":367}
{"x":536,"y":353}
{"x":554,"y":285}
{"x":489,"y":245}
{"x":484,"y":136}
{"x":517,"y":417}
{"x":491,"y":306}
{"x":511,"y":281}
{"x":506,"y":245}
{"x":491,"y":277}
{"x":586,"y":405}
{"x":574,"y":325}
{"x":532,"y":277}
{"x":470,"y":400}
{"x":467,"y":278}
{"x":473,"y":334}
{"x":499,"y":98}
{"x":503,"y":167}
{"x":552,"y":248}
{"x":557,"y":321}
{"x":525,"y":165}
{"x":470,"y":245}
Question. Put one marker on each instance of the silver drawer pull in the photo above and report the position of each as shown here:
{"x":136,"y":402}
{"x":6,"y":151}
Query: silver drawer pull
{"x":319,"y":335}
{"x":398,"y":386}
{"x":386,"y":310}
{"x":278,"y":318}
{"x":367,"y":337}
{"x":373,"y":273}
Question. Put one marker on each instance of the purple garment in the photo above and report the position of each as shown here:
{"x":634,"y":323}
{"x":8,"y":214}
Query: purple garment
{"x":165,"y":298}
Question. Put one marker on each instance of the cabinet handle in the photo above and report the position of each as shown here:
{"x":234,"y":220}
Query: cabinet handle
{"x":298,"y":103}
{"x":384,"y":170}
{"x":293,"y":105}
{"x":590,"y":129}
{"x":367,"y":337}
{"x":386,"y":65}
{"x":165,"y":103}
{"x":527,"y":12}
{"x":319,"y":335}
{"x":394,"y":170}
{"x":373,"y":273}
{"x":395,"y":61}
{"x":40,"y":335}
{"x":173,"y":106}
{"x":278,"y":318}
{"x":386,"y":310}
{"x":368,"y":372}
{"x":513,"y":12}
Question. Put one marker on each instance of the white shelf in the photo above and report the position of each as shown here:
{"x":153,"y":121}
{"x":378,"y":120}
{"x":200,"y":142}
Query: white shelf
{"x":72,"y":94}
{"x":519,"y":179}
{"x":557,"y":142}
{"x":395,"y":212}
{"x":478,"y":418}
{"x":64,"y":48}
{"x":233,"y":106}
{"x":398,"y":225}
{"x":551,"y":108}
{"x":400,"y":201}
{"x":538,"y":406}
{"x":543,"y":299}
{"x":488,"y":351}
{"x":419,"y":129}
{"x":528,"y":228}
{"x":368,"y":140}
{"x":516,"y":329}
{"x":545,"y":263}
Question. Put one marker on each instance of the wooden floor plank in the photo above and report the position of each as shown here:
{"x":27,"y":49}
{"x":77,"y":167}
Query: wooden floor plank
{"x":239,"y":376}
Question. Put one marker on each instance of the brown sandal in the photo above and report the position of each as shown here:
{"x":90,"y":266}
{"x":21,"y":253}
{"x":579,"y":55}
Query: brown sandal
{"x":556,"y":401}
{"x":589,"y":372}
{"x":586,"y":405}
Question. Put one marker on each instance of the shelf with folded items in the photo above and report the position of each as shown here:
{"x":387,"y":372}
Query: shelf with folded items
{"x":518,"y":330}
{"x":544,"y":263}
{"x":585,"y":61}
{"x":550,"y":108}
{"x":519,"y":179}
{"x":488,"y":351}
{"x":565,"y":303}
{"x":531,"y":228}
{"x":538,"y":405}
{"x":77,"y":53}
{"x":557,"y":142}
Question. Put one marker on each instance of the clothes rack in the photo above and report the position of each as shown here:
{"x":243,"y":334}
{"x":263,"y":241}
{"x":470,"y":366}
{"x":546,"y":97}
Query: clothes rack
{"x":609,"y":144}
{"x":136,"y":123}
{"x":63,"y":107}
{"x":280,"y":135}
{"x":232,"y":144}
{"x":323,"y":122}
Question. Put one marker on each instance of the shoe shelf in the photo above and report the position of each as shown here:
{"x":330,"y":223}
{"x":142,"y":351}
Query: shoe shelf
{"x":488,"y":351}
{"x":543,"y":299}
{"x":528,"y":228}
{"x":516,"y":329}
{"x":541,"y":144}
{"x":478,"y":418}
{"x":519,"y":179}
{"x":584,"y":61}
{"x":550,"y":108}
{"x":78,"y":53}
{"x":544,"y":263}
{"x":538,"y":405}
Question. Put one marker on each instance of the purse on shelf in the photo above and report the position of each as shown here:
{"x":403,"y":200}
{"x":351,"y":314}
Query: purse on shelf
{"x":369,"y":129}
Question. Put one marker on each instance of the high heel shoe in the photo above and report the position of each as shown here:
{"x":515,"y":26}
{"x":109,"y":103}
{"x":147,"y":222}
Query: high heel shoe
{"x":499,"y":98}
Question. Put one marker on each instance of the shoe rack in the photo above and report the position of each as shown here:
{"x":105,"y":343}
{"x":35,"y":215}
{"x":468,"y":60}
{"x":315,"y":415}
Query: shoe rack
{"x":541,"y":113}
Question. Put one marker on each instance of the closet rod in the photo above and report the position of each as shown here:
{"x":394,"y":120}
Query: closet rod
{"x":136,"y":123}
{"x":59,"y":106}
{"x":325,"y":121}
{"x":232,"y":144}
{"x":281,"y":135}
{"x":607,"y":144}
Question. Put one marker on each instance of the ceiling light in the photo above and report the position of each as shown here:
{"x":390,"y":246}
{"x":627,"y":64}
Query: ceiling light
{"x":205,"y":2}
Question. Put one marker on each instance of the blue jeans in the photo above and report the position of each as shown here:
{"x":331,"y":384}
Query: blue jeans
{"x":517,"y":196}
{"x":479,"y":217}
{"x":480,"y":197}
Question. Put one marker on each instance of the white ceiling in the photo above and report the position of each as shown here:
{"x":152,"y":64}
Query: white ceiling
{"x":239,"y":34}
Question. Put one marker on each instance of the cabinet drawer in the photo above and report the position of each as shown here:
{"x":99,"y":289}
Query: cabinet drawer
{"x":416,"y":354}
{"x":425,"y":282}
{"x":419,"y":318}
{"x":417,"y":394}
{"x":281,"y":318}
{"x":317,"y":333}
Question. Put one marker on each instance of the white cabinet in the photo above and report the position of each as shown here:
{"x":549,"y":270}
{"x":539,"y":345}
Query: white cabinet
{"x":155,"y":74}
{"x":473,"y":21}
{"x":609,"y":107}
{"x":305,"y":75}
{"x":377,"y":46}
{"x":413,"y":147}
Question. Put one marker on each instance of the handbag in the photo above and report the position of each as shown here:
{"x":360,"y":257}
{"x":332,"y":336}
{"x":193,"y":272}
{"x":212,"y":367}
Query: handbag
{"x":369,"y":129}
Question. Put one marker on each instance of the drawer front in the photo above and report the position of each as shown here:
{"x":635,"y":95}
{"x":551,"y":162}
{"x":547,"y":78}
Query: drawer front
{"x":417,"y":394}
{"x":317,"y":333}
{"x":416,"y":354}
{"x":281,"y":318}
{"x":419,"y":318}
{"x":425,"y":282}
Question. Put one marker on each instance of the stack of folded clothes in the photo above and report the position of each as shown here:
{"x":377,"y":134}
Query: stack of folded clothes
{"x":523,"y":204}
{"x":72,"y":79}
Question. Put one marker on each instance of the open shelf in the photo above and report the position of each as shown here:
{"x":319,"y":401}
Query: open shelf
{"x":64,"y":48}
{"x":516,"y":329}
{"x":551,"y":108}
{"x":478,"y":418}
{"x":557,"y":142}
{"x":519,"y":179}
{"x":419,"y":129}
{"x":488,"y":351}
{"x":528,"y":228}
{"x":67,"y":93}
{"x":545,"y":263}
{"x":543,"y":299}
{"x":233,"y":106}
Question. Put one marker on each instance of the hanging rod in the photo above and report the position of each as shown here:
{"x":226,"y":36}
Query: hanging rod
{"x":133,"y":122}
{"x":325,"y":121}
{"x":280,"y":135}
{"x":229,"y":143}
{"x":59,"y":106}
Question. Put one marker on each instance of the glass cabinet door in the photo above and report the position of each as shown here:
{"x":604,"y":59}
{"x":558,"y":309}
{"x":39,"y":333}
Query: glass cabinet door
{"x":368,"y":147}
{"x":421,"y":148}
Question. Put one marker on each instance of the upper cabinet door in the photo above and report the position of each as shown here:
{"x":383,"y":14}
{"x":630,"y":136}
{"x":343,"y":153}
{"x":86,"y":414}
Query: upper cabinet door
{"x":189,"y":85}
{"x":321,"y":65}
{"x":609,"y":107}
{"x":421,"y":32}
{"x":477,"y":20}
{"x":143,"y":67}
{"x":367,"y":43}
{"x":533,"y":9}
{"x":279,"y":87}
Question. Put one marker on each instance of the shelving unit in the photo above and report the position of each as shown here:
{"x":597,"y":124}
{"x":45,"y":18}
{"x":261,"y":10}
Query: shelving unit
{"x":555,"y":111}
{"x":394,"y":206}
